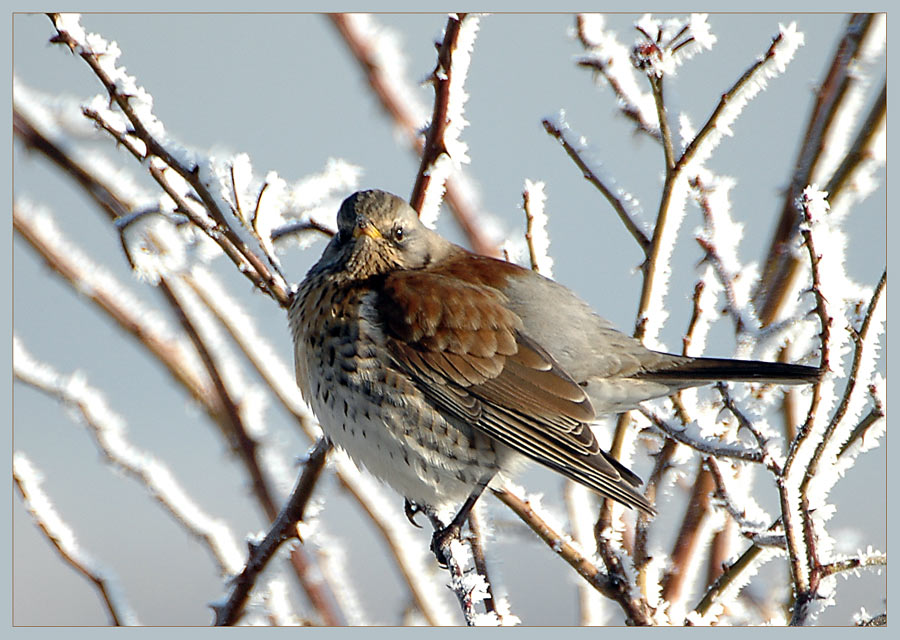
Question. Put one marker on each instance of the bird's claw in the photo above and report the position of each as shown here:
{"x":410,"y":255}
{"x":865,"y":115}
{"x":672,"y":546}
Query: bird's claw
{"x":411,"y":509}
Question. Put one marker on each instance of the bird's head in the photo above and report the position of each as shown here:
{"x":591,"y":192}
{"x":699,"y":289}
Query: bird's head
{"x":379,"y":233}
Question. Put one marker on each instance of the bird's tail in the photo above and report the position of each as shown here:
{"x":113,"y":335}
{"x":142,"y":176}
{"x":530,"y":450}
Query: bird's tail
{"x":700,"y":370}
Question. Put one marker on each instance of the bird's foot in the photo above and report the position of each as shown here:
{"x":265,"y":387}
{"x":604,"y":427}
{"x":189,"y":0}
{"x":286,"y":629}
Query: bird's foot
{"x":441,"y":540}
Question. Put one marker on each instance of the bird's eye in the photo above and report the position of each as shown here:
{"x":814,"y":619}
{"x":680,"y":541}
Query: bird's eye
{"x":398,"y":233}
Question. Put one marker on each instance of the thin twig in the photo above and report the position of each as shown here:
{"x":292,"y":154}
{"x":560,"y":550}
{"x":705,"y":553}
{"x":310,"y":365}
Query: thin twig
{"x":704,"y":446}
{"x":854,"y":563}
{"x":805,"y":577}
{"x":625,"y":104}
{"x":476,"y":542}
{"x":441,"y":78}
{"x":745,"y":422}
{"x":589,"y":175}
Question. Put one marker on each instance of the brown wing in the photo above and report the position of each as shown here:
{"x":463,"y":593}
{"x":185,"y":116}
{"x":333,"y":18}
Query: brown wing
{"x":468,"y":354}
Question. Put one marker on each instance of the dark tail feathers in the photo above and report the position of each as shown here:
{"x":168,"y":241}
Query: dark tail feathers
{"x":716,"y":369}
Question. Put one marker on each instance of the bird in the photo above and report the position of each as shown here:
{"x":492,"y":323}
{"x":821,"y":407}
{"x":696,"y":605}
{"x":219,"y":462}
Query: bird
{"x":441,"y":370}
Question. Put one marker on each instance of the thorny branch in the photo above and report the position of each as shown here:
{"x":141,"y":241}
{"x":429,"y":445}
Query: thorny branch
{"x":434,"y":146}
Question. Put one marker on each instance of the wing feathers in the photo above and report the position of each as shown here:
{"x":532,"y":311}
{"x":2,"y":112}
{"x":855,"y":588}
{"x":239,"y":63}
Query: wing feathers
{"x":469,"y":355}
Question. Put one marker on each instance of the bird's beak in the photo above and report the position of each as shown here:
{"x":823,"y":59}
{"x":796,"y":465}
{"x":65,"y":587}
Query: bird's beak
{"x":365,"y":228}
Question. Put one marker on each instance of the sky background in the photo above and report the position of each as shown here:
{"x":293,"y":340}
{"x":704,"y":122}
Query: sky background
{"x":285,"y":90}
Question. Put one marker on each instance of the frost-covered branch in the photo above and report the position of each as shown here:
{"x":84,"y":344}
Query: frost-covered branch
{"x":616,"y":591}
{"x":863,"y":560}
{"x":469,"y":585}
{"x":60,"y":535}
{"x":617,"y":200}
{"x":382,"y":64}
{"x":139,"y":123}
{"x":237,"y":432}
{"x":651,"y":313}
{"x":93,"y":282}
{"x":258,"y":351}
{"x":610,"y":60}
{"x":687,"y":436}
{"x":108,"y":430}
{"x":781,"y":265}
{"x":443,"y":150}
{"x":182,"y":362}
{"x":536,"y":237}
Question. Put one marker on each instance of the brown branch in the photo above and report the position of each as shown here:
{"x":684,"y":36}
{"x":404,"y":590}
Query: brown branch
{"x":729,"y":576}
{"x":642,"y":557}
{"x":684,"y":550}
{"x":852,"y":564}
{"x":283,"y":528}
{"x":440,"y":78}
{"x":589,"y":175}
{"x":614,"y":590}
{"x":860,"y":149}
{"x":393,"y":103}
{"x":780,"y":263}
{"x":859,"y":339}
{"x":246,"y":449}
{"x":476,"y":542}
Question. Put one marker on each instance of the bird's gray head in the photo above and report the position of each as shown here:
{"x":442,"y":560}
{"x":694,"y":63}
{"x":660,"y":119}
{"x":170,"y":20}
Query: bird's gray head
{"x":378,"y":233}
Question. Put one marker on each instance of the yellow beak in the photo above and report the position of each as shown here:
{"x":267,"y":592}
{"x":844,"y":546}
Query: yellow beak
{"x":366,"y":228}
